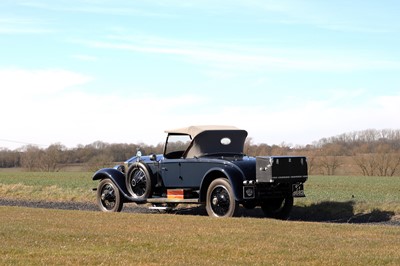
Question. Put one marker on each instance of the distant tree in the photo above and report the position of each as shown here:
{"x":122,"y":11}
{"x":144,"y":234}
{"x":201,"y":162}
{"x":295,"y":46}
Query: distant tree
{"x":263,"y":150}
{"x":9,"y":158}
{"x":281,"y":149}
{"x":311,"y":160}
{"x":388,"y":163}
{"x":380,"y":160}
{"x":329,"y":159}
{"x":52,"y":158}
{"x":366,"y":163}
{"x":329,"y":164}
{"x":373,"y":152}
{"x":99,"y":161}
{"x":30,"y":157}
{"x":249,"y":148}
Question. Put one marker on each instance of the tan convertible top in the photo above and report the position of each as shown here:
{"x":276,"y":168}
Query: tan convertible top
{"x":210,"y":139}
{"x":193,"y":131}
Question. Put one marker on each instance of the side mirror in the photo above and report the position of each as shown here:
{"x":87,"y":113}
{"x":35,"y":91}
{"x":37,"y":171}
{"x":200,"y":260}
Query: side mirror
{"x":153,"y":157}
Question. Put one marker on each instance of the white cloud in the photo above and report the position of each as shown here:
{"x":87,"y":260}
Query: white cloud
{"x":247,"y":57}
{"x":355,"y":16}
{"x":17,"y":82}
{"x":46,"y":106}
{"x":309,"y":121}
{"x":302,"y":121}
{"x":96,"y":7}
{"x":23,"y":25}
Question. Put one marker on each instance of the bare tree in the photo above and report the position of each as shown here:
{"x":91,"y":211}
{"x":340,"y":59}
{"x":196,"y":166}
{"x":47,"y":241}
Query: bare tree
{"x":99,"y":161}
{"x":379,"y":159}
{"x":52,"y":158}
{"x":9,"y":158}
{"x":330,"y":159}
{"x":30,"y":157}
{"x":387,"y":160}
{"x":311,"y":161}
{"x":366,"y":163}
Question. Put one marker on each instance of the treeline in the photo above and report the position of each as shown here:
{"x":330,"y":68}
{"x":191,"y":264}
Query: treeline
{"x":56,"y":156}
{"x":369,"y":152}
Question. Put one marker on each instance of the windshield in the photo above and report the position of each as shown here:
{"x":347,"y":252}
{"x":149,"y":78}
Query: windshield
{"x":176,"y":145}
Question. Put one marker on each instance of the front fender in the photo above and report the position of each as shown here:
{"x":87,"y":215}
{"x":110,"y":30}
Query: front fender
{"x":118,"y":178}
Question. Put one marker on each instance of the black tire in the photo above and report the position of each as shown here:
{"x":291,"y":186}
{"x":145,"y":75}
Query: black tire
{"x":279,"y":208}
{"x":108,"y":197}
{"x":220,"y":200}
{"x":138,"y":182}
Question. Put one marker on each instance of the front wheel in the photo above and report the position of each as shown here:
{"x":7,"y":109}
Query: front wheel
{"x":220,"y":200}
{"x":108,"y":197}
{"x":278,"y":208}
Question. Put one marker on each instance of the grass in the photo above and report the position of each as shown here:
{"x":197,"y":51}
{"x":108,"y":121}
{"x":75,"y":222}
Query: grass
{"x":59,"y":186}
{"x":40,"y":236}
{"x":364,"y":194}
{"x":343,"y":188}
{"x":44,"y":236}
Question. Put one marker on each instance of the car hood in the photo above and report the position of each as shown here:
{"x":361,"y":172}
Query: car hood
{"x":145,"y":158}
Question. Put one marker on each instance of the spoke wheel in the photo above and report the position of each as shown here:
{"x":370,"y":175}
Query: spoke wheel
{"x":220,"y":199}
{"x":279,"y":208}
{"x":138,"y":182}
{"x":109,"y":197}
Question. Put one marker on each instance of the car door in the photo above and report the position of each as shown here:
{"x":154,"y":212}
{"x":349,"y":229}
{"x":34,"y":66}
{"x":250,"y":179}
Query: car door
{"x":192,"y":172}
{"x":170,"y":173}
{"x":183,"y":173}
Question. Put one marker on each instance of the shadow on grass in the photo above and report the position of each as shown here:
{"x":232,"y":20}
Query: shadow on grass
{"x":339,"y":212}
{"x":328,"y":211}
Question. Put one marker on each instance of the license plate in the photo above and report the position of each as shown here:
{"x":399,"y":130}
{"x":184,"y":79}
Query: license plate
{"x":298,"y":190}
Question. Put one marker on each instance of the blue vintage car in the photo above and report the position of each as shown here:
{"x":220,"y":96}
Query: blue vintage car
{"x":205,"y":165}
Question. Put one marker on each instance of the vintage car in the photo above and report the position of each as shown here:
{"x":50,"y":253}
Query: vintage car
{"x":205,"y":165}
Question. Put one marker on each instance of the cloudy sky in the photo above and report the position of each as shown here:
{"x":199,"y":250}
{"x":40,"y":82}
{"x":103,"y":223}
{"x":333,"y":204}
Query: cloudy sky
{"x":293,"y":71}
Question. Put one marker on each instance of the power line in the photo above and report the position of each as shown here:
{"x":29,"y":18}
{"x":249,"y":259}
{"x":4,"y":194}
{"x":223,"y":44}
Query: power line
{"x":21,"y":142}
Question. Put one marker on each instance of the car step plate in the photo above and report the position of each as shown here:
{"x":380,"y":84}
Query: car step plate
{"x":166,"y":200}
{"x":160,"y":208}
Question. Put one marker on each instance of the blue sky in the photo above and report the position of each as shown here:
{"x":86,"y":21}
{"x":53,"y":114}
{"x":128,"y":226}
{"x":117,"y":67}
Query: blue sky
{"x":79,"y":71}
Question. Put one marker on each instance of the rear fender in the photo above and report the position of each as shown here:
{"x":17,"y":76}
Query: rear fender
{"x":234,"y":176}
{"x":118,"y":178}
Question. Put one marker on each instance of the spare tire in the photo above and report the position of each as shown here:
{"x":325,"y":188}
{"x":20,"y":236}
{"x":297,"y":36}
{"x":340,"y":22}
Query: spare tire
{"x":138,"y":181}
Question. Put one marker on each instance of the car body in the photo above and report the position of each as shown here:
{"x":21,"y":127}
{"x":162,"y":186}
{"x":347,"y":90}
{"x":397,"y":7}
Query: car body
{"x":205,"y":165}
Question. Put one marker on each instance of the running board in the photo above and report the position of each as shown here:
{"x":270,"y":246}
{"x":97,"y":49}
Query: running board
{"x":160,"y":208}
{"x":166,"y":200}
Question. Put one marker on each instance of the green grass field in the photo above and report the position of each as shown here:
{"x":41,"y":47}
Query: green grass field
{"x":364,"y":194}
{"x":48,"y":237}
{"x":59,"y":186}
{"x":44,"y":236}
{"x":338,"y":195}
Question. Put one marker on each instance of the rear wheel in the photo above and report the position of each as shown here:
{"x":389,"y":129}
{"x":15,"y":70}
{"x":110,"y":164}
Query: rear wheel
{"x":108,"y":197}
{"x":278,"y":208}
{"x":220,"y":200}
{"x":138,"y":182}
